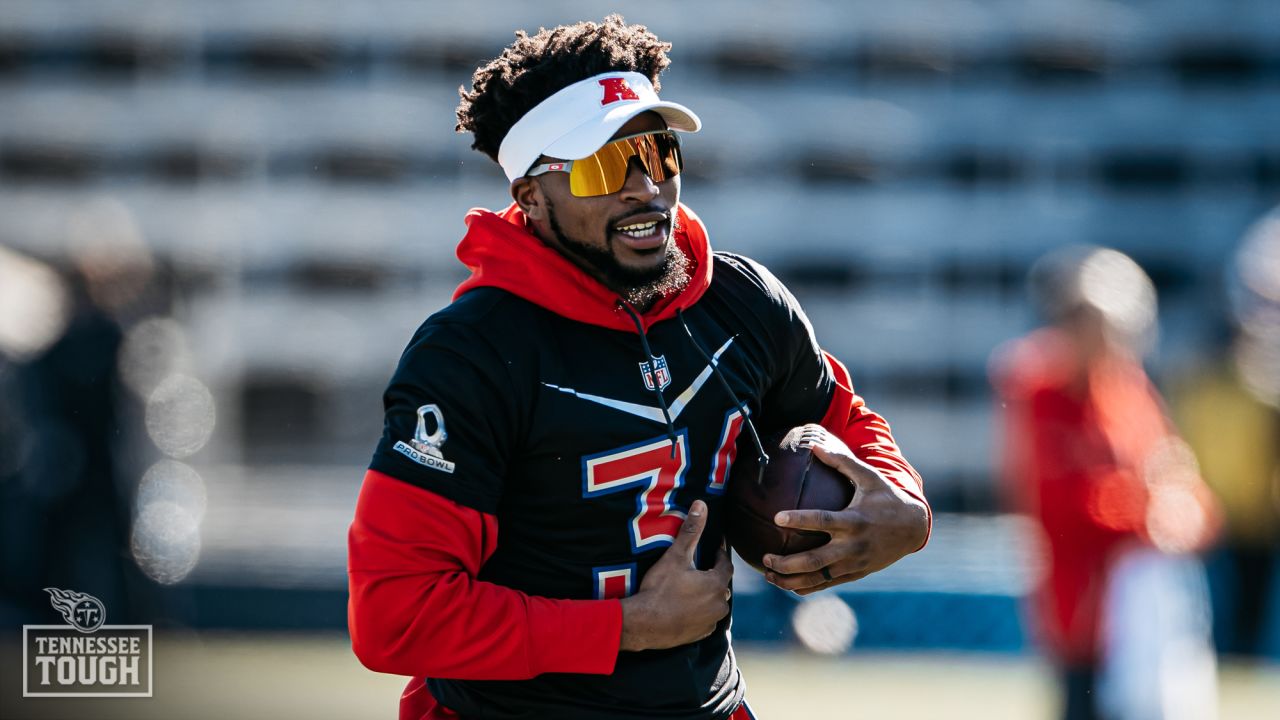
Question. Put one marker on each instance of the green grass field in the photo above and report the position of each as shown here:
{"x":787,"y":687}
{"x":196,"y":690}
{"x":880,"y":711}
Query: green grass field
{"x":316,"y":677}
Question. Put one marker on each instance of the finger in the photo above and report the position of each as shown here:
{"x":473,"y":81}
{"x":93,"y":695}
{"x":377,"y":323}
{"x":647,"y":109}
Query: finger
{"x":723,"y":569}
{"x":803,"y":581}
{"x":812,"y":434}
{"x":724,"y":561}
{"x":827,"y":521}
{"x":806,"y":562}
{"x":849,"y":554}
{"x":686,"y":544}
{"x":818,"y":588}
{"x":834,"y":581}
{"x":838,"y":455}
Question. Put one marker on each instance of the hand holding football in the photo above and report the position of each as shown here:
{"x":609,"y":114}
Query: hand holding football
{"x":792,"y":480}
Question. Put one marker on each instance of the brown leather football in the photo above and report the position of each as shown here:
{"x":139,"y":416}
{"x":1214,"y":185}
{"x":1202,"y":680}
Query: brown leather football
{"x":793,"y":480}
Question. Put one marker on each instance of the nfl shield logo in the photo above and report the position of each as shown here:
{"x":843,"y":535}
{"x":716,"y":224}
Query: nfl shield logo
{"x":658,"y":374}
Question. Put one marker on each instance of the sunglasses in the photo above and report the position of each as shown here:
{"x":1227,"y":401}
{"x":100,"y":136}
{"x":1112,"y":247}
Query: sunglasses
{"x":605,"y":171}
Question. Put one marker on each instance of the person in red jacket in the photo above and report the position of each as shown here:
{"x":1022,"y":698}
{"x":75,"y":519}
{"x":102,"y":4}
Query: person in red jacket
{"x":1089,"y":451}
{"x":540,"y":531}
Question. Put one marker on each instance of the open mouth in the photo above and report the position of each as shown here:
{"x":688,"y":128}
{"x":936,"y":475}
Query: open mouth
{"x":644,"y":232}
{"x":639,"y":230}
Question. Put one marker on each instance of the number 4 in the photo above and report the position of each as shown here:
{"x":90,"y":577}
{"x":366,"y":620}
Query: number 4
{"x":726,"y":451}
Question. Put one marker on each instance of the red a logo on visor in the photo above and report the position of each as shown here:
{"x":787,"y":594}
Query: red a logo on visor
{"x":616,"y":89}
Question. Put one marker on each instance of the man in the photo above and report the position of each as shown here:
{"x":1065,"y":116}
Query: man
{"x":1092,"y":458}
{"x":539,"y":533}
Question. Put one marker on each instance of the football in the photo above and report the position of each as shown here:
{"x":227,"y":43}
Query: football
{"x":793,"y":479}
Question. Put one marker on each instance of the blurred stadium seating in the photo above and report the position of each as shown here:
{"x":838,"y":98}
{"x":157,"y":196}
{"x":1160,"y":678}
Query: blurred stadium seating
{"x":900,"y":165}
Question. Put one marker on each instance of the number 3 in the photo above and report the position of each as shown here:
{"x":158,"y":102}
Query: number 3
{"x":649,"y":465}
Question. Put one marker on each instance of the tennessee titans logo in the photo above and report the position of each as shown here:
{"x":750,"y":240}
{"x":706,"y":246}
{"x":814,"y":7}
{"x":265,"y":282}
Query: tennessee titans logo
{"x":656,"y":373}
{"x":83,"y":611}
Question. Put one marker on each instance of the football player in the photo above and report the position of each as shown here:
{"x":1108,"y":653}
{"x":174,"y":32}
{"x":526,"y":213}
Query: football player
{"x":539,"y":533}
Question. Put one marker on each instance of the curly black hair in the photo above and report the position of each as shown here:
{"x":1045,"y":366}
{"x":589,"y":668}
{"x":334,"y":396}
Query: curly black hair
{"x":535,"y":67}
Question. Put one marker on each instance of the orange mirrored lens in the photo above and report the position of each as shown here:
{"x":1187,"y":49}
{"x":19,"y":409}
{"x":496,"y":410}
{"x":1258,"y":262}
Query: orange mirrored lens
{"x":605,"y":171}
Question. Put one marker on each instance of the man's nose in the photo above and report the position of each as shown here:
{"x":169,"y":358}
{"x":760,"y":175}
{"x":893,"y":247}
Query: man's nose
{"x":638,"y":185}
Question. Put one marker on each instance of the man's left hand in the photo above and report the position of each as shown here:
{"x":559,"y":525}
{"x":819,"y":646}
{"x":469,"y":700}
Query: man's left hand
{"x":881,"y":525}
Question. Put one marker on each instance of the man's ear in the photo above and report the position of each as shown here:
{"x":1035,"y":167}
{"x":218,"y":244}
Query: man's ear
{"x":527,"y":193}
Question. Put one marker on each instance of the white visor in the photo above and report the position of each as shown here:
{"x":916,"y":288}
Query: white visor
{"x":580,"y":119}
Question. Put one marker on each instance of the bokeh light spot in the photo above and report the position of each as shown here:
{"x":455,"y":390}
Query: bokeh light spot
{"x":180,"y":416}
{"x":173,"y":482}
{"x":825,"y":624}
{"x":34,"y":306}
{"x":165,"y":541}
{"x":152,"y":350}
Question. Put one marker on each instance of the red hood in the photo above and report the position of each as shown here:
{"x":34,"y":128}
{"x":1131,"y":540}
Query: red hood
{"x":501,"y":252}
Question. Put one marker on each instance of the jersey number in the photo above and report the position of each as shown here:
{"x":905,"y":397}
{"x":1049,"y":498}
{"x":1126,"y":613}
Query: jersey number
{"x":652,"y":468}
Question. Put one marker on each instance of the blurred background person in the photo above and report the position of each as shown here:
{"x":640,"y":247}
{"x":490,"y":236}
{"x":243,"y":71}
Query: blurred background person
{"x":1091,"y":456}
{"x":1229,"y":411}
{"x":67,"y":422}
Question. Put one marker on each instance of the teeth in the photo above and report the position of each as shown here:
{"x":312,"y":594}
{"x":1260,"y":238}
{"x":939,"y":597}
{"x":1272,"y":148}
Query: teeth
{"x":638,"y":230}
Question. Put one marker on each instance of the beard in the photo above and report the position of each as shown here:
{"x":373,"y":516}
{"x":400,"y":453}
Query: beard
{"x":639,"y":287}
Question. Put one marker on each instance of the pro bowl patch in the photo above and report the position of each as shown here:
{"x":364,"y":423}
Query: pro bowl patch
{"x":428,"y":438}
{"x":431,"y":461}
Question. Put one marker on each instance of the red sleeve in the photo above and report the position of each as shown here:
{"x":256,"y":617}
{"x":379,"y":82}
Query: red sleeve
{"x":417,"y":609}
{"x":868,"y":436}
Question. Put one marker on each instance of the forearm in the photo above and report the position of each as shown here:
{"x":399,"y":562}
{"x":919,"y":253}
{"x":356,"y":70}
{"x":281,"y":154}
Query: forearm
{"x":417,"y":609}
{"x":869,"y":438}
{"x":455,"y":627}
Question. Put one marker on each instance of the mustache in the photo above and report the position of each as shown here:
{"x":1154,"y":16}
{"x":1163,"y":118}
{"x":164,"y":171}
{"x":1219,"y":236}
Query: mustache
{"x":670,"y":216}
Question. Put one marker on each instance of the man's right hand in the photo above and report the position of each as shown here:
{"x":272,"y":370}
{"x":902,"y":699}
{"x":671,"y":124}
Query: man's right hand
{"x":678,"y":604}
